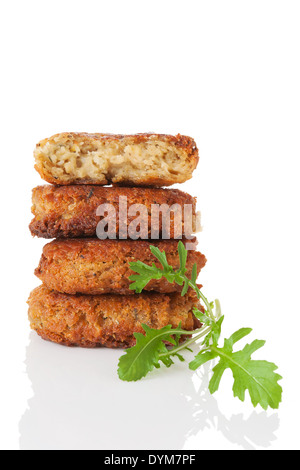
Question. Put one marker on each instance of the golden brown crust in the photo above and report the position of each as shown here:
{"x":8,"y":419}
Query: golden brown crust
{"x":92,"y":266}
{"x":106,"y":320}
{"x":70,"y":211}
{"x":140,"y":159}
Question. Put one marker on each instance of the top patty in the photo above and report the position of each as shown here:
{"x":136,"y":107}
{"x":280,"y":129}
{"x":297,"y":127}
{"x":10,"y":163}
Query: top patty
{"x":138,"y":160}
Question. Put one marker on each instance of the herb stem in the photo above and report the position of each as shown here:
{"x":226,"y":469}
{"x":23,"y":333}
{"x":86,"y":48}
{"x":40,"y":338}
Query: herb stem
{"x":204,"y":332}
{"x":194,"y":286}
{"x":200,"y":295}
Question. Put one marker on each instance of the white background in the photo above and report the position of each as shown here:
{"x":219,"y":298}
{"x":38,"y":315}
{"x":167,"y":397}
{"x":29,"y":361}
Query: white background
{"x":224,"y":72}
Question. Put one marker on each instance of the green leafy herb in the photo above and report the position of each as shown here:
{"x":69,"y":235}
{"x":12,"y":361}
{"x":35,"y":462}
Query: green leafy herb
{"x":258,"y":377}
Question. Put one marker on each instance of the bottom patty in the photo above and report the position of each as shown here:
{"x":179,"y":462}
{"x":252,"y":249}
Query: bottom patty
{"x":106,"y":320}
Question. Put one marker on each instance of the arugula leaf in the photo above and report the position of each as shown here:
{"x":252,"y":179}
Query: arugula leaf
{"x":182,"y":257}
{"x":146,"y":274}
{"x":194,"y":273}
{"x":145,"y":355}
{"x":258,"y":377}
{"x":149,"y":350}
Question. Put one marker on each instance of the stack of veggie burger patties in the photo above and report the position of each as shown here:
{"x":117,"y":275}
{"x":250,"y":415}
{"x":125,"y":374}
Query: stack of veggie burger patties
{"x":109,"y":183}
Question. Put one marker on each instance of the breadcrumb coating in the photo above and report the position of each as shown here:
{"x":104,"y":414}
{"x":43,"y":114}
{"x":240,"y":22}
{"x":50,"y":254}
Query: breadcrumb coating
{"x":70,"y":211}
{"x":92,"y":266}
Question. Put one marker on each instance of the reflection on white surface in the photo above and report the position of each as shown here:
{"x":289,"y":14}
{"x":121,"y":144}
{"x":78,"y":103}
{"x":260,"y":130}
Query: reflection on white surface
{"x":79,"y":403}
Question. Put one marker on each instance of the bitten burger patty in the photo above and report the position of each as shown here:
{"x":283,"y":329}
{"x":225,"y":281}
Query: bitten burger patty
{"x":93,"y":266}
{"x":138,"y":160}
{"x":106,"y":320}
{"x":70,"y":211}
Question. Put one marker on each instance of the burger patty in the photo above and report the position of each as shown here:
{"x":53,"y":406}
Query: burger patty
{"x":92,"y":266}
{"x":139,"y":160}
{"x":70,"y":211}
{"x":106,"y":320}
